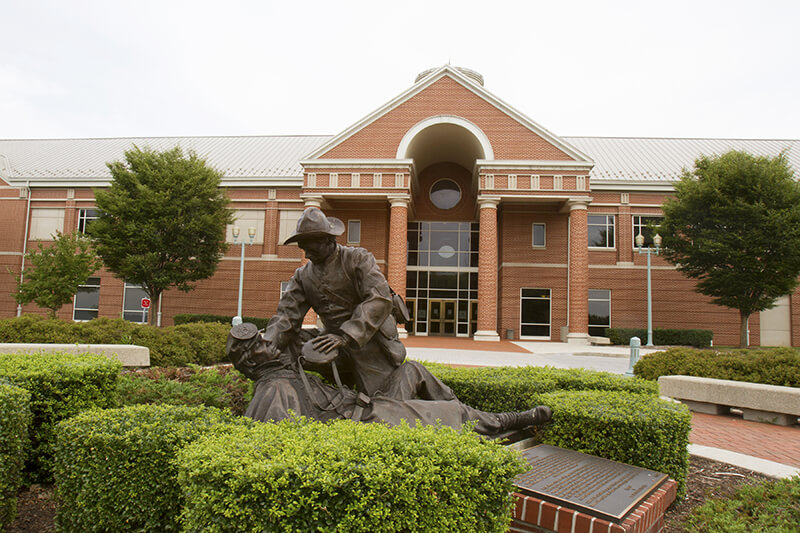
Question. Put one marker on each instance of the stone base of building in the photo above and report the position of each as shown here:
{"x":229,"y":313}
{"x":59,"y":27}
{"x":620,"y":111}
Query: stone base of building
{"x":486,"y":335}
{"x":534,"y":515}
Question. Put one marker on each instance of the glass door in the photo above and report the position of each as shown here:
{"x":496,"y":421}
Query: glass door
{"x":442,"y":317}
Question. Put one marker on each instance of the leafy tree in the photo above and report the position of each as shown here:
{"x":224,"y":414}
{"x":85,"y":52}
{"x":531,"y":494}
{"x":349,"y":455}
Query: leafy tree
{"x":734,"y":225}
{"x":56,"y":271}
{"x":162,"y":222}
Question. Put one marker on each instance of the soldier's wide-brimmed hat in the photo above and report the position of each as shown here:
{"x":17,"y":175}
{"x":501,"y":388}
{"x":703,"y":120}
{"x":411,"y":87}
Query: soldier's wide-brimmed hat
{"x":312,"y":355}
{"x":314,"y":223}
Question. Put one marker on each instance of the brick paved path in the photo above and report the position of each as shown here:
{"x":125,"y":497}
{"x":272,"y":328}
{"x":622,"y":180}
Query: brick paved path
{"x":766,"y":441}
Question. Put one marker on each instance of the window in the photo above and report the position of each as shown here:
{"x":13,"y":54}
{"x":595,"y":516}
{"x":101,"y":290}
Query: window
{"x":538,"y":235}
{"x":353,"y":231}
{"x":288,"y":224}
{"x":45,"y":222}
{"x":601,"y":231}
{"x":245,"y":219}
{"x":87,"y":300}
{"x":132,"y":309}
{"x":445,"y":194}
{"x":442,"y":244}
{"x":284,"y":287}
{"x":535,"y":313}
{"x":85,"y":218}
{"x":599,"y":312}
{"x":640,"y":225}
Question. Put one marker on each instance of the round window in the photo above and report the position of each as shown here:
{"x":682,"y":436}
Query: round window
{"x":445,"y":194}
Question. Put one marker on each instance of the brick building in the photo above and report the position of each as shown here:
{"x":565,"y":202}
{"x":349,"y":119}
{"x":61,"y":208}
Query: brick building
{"x":490,"y":225}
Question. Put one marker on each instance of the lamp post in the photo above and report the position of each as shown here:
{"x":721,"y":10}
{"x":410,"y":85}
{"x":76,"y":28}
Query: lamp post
{"x":251,"y":231}
{"x":649,"y":251}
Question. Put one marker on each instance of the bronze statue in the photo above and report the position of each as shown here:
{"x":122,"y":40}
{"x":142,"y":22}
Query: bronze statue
{"x":352,"y":299}
{"x":359,"y":348}
{"x":283,"y":388}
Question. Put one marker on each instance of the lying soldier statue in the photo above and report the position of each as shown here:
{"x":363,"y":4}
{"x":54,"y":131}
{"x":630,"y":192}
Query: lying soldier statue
{"x":412,"y":393}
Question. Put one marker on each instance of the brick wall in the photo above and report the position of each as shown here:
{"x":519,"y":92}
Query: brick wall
{"x":510,"y":139}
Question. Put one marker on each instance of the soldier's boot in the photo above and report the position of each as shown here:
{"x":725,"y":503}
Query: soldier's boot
{"x":519,"y":420}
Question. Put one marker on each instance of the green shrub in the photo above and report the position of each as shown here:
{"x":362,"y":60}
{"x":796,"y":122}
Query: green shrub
{"x":347,"y":477}
{"x":518,"y":388}
{"x":775,"y":366}
{"x":115,"y":470}
{"x":61,"y":385}
{"x":15,"y":418}
{"x":221,"y":387}
{"x":188,"y":318}
{"x":770,"y":506}
{"x":700,"y":338}
{"x":202,"y":344}
{"x":635,"y":429}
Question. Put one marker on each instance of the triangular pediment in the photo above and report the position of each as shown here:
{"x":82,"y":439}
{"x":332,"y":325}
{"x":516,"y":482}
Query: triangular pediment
{"x":447,"y":92}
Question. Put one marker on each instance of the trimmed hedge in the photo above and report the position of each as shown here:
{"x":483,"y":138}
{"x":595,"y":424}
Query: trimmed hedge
{"x":196,"y":343}
{"x":188,"y":318}
{"x":298,"y":475}
{"x":775,"y":366}
{"x":115,"y":471}
{"x":519,"y":388}
{"x":220,"y":386}
{"x":61,"y":385}
{"x":699,"y":338}
{"x":15,"y":418}
{"x":640,"y":430}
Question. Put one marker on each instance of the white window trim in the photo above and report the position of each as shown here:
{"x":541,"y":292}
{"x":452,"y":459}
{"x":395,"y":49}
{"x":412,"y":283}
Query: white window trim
{"x":609,"y":307}
{"x":287,"y":226}
{"x":614,"y":226}
{"x":145,"y":313}
{"x":349,"y":240}
{"x":549,"y":325}
{"x":82,"y":217}
{"x":634,"y":226}
{"x":75,"y":299}
{"x":533,"y":235}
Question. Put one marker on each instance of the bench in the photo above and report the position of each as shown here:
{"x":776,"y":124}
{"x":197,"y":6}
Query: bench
{"x":758,"y":402}
{"x":129,"y":354}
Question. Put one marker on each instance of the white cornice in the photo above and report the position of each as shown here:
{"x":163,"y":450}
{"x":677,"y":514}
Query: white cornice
{"x":356,"y":163}
{"x":485,"y":164}
{"x":269,"y":182}
{"x":631,"y":186}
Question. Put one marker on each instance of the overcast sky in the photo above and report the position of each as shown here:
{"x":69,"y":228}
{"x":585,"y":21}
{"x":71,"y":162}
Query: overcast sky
{"x":641,"y":68}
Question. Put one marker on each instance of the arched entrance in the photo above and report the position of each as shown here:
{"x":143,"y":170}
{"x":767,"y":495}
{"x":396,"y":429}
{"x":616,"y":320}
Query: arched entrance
{"x":442,"y":237}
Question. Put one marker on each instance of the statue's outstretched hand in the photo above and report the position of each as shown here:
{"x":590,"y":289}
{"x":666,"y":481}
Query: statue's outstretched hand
{"x":328,"y":342}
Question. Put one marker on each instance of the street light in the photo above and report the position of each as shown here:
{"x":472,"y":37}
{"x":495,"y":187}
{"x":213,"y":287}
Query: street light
{"x":251,"y":231}
{"x":649,"y":251}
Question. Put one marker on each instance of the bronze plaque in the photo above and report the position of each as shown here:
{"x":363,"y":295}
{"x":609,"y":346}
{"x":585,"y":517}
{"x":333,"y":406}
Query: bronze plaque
{"x":593,"y":485}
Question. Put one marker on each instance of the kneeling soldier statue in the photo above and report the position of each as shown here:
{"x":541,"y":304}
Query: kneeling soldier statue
{"x":358,"y":348}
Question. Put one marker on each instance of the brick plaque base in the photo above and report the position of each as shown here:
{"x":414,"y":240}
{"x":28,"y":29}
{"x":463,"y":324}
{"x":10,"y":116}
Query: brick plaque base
{"x":534,"y":515}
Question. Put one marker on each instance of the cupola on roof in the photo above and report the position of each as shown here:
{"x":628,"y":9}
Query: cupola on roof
{"x":475,"y":76}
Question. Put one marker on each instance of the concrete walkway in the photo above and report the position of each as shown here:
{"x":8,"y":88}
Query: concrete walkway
{"x":766,"y":448}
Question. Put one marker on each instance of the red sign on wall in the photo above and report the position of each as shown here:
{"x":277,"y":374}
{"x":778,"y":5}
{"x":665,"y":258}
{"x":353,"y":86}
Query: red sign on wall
{"x":145,"y":303}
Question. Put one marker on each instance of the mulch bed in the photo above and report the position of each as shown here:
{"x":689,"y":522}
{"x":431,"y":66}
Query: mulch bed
{"x":707,"y":479}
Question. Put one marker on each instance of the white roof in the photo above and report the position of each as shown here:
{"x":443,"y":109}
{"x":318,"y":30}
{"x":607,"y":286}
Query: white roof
{"x":663,"y":160}
{"x":274,"y":160}
{"x":262,"y":160}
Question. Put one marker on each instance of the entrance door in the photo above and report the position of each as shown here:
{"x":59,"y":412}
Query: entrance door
{"x":442,"y":317}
